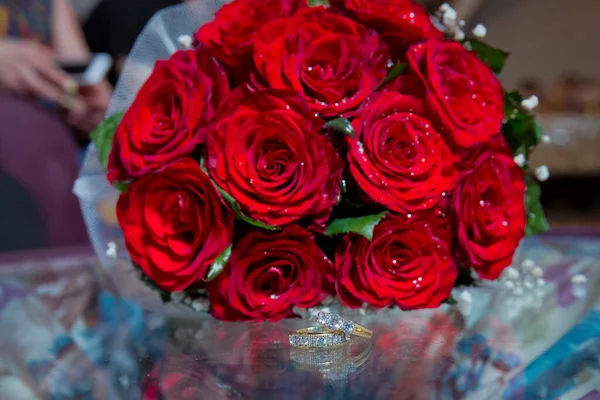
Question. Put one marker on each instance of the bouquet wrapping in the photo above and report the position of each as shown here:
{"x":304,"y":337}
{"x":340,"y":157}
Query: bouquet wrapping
{"x":274,"y":157}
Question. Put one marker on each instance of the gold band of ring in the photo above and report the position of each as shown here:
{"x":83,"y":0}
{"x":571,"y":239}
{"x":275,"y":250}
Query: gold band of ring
{"x":317,"y":337}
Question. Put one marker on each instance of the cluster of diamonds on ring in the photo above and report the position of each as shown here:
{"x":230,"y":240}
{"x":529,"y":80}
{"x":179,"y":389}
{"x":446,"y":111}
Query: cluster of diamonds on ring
{"x":335,"y":322}
{"x":318,"y":341}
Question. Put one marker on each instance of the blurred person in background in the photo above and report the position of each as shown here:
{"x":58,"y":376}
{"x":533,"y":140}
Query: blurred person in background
{"x":41,"y":109}
{"x":113,"y":26}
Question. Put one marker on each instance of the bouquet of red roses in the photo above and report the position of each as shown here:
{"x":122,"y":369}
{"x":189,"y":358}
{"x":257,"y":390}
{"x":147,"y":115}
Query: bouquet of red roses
{"x":299,"y":150}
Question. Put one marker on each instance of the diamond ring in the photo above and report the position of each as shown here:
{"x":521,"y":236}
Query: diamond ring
{"x":336,"y":322}
{"x":318,"y":337}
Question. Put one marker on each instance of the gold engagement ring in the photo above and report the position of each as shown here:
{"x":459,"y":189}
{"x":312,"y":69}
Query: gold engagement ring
{"x":318,"y":337}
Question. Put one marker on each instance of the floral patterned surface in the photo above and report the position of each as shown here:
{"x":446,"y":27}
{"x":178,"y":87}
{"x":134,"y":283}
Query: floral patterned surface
{"x":67,"y":335}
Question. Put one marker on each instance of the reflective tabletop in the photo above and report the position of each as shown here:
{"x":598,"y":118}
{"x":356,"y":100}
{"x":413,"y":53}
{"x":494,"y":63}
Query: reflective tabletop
{"x":66,"y":334}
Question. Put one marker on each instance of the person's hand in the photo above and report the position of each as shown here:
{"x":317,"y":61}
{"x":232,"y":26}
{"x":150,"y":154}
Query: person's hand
{"x":88,"y":108}
{"x":29,"y":68}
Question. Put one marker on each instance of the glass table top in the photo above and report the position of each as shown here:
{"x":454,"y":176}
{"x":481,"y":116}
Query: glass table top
{"x":66,"y":334}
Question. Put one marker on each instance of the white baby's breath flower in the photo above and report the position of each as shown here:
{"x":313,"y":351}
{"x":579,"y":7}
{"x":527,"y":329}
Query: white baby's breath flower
{"x":459,"y":34}
{"x":185,"y":41}
{"x":479,"y":31}
{"x":537,"y":272}
{"x":466,"y":297}
{"x":546,"y":139}
{"x":511,"y":273}
{"x":528,"y":284}
{"x":520,"y":160}
{"x":530,"y":103}
{"x":448,"y":15}
{"x":579,"y":279}
{"x":518,"y":291}
{"x":528,"y":263}
{"x":177,"y":297}
{"x":200,"y":304}
{"x":540,"y":282}
{"x":542,"y":173}
{"x":111,"y":249}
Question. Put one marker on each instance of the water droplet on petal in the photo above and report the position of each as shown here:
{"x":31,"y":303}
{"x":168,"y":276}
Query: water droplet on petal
{"x":409,"y":215}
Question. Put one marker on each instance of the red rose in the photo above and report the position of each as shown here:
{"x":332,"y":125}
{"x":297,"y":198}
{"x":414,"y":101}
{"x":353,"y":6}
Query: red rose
{"x":161,"y":125}
{"x":174,"y":224}
{"x":398,"y":158}
{"x":462,"y":91}
{"x":405,"y":264}
{"x":400,"y":23}
{"x":266,"y":151}
{"x":334,"y":62}
{"x":268,"y":274}
{"x":230,"y":37}
{"x":489,"y":209}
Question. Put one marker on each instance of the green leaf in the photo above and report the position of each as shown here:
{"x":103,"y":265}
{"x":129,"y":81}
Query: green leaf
{"x":121,"y":186}
{"x":103,"y":135}
{"x":317,"y":3}
{"x":395,"y":72}
{"x":536,"y":220}
{"x":520,"y":129}
{"x":240,"y":214}
{"x":451,"y":300}
{"x":234,"y":205}
{"x":361,"y":225}
{"x":341,"y":125}
{"x":217,"y":266}
{"x":165,"y":297}
{"x":492,"y":56}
